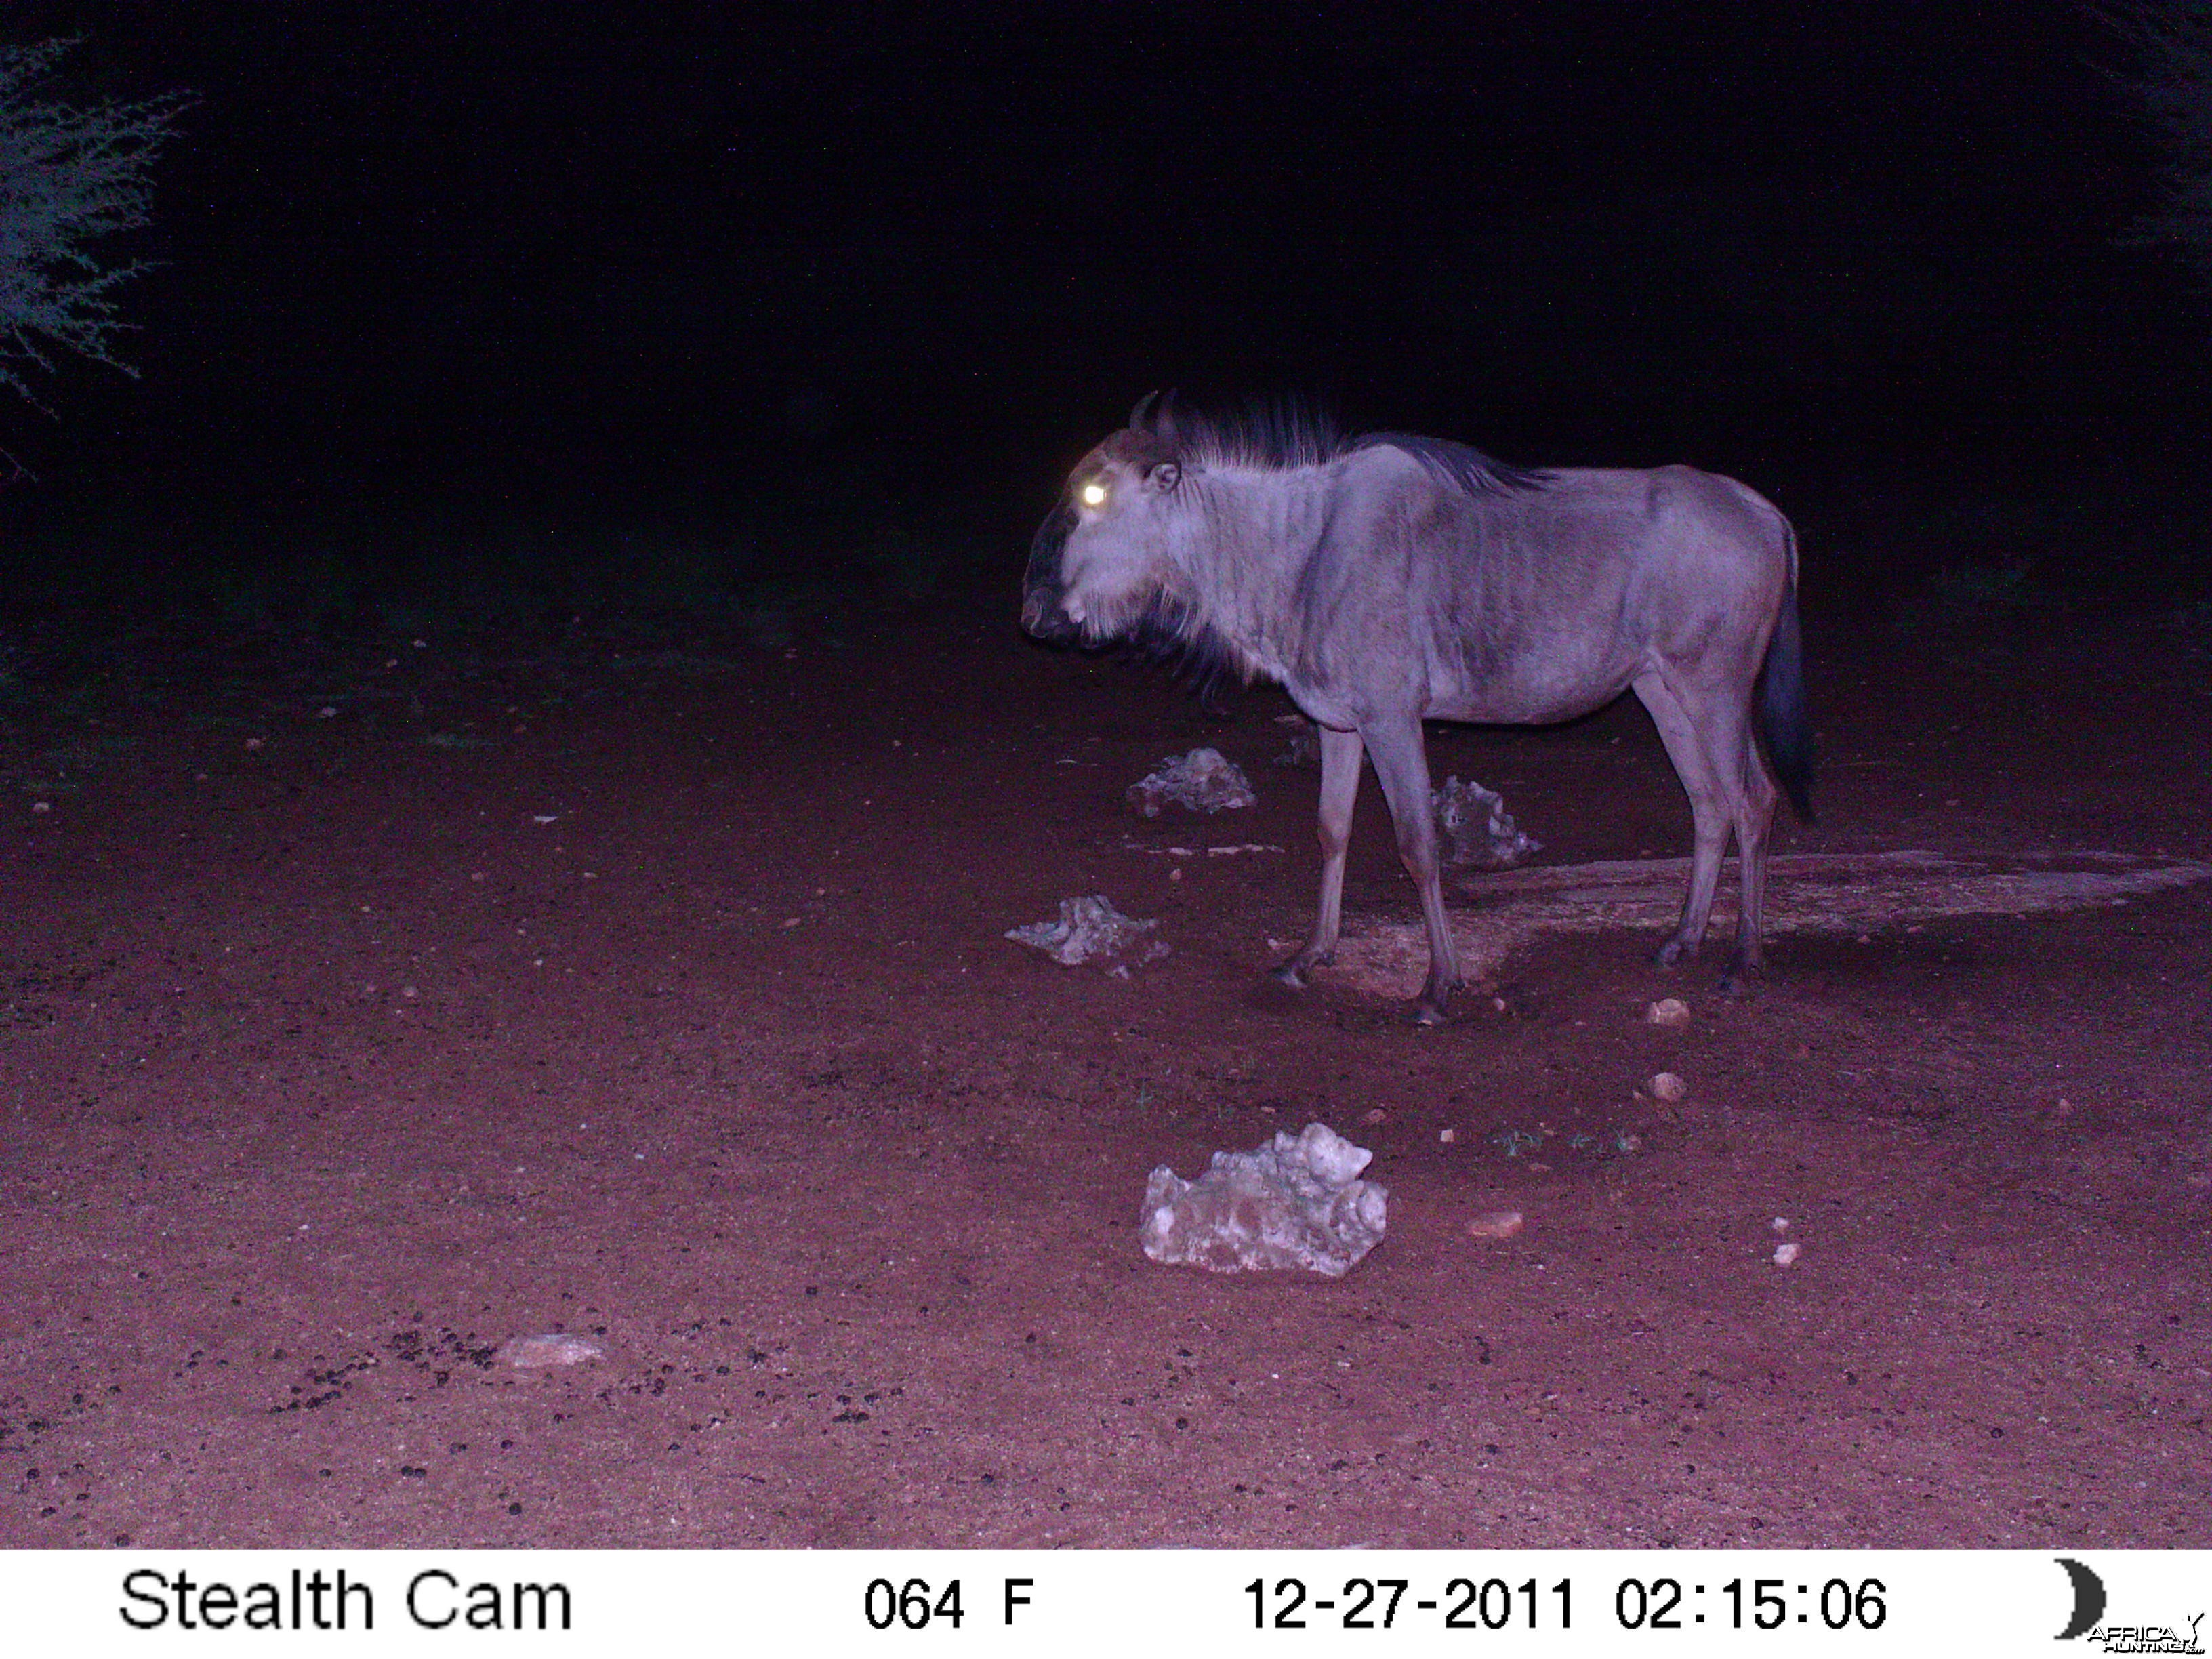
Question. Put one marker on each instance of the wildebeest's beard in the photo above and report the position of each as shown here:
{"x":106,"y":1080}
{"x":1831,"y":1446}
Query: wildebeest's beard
{"x":1169,"y":630}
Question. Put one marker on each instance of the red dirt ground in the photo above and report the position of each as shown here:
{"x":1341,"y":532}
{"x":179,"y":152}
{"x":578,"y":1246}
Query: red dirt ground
{"x":331,"y":1064}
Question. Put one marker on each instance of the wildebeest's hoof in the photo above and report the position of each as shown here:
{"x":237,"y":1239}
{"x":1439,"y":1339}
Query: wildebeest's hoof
{"x":1434,"y":1000}
{"x":1673,"y":953}
{"x":1289,"y":975}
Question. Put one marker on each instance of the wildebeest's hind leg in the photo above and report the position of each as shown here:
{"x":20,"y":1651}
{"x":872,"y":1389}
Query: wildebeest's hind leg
{"x":1339,"y":789}
{"x":1710,"y":814}
{"x":1720,"y":714}
{"x":1401,"y":764}
{"x":1754,"y":817}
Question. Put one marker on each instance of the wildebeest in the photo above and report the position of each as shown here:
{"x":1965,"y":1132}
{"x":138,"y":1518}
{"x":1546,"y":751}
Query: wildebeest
{"x":1386,"y":579}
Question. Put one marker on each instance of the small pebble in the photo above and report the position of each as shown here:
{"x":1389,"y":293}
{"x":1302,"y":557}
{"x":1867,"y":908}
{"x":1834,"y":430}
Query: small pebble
{"x":1499,"y":1223}
{"x":1669,"y":1088}
{"x":1785,"y":1253}
{"x":1447,"y":1136}
{"x":1668,"y":1011}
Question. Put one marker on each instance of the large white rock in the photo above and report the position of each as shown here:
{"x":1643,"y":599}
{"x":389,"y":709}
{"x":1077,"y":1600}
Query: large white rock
{"x":1297,"y":1203}
{"x":1476,"y":831}
{"x":1093,"y":930}
{"x":1204,"y":780}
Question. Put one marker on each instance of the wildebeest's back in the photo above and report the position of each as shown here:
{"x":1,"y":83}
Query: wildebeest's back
{"x":1533,"y":604}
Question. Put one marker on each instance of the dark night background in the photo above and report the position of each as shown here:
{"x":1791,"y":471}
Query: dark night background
{"x":841,"y":288}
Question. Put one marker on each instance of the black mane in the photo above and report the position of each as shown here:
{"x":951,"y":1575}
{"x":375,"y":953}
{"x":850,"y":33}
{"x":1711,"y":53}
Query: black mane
{"x":1458,"y":465}
{"x":1283,"y":436}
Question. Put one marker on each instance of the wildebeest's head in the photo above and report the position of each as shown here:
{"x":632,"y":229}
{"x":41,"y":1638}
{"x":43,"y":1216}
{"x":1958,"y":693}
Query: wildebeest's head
{"x":1100,"y":567}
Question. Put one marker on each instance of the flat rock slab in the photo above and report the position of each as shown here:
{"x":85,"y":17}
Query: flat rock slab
{"x":1498,"y":912}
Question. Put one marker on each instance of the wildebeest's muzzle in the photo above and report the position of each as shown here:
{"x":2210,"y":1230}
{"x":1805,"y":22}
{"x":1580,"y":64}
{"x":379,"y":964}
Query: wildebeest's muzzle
{"x":1042,"y":615}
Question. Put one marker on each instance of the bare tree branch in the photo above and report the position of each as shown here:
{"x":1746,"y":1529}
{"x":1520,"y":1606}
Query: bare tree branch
{"x":69,"y":175}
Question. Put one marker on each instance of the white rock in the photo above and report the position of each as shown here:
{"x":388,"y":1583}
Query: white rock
{"x":1668,"y":1011}
{"x":556,"y":1349}
{"x":1304,"y":737}
{"x":1668,"y":1087}
{"x":1474,"y":830}
{"x":1297,"y":1202}
{"x":1092,"y":930}
{"x":1785,"y":1253}
{"x":1204,"y":780}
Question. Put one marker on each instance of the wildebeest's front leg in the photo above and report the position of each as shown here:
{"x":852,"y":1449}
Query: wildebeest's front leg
{"x":1402,"y":763}
{"x":1340,"y":788}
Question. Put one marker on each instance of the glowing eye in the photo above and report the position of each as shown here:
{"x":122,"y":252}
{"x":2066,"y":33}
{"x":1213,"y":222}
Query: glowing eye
{"x":1094,"y":494}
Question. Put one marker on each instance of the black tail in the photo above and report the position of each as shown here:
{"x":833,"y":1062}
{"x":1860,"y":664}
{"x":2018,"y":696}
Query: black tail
{"x":1784,"y":728}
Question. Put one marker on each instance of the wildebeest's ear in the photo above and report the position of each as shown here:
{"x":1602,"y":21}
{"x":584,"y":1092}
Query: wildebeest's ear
{"x":1164,"y":476}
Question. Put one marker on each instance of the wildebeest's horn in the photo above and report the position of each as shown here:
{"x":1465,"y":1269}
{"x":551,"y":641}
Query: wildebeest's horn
{"x":1141,"y":415}
{"x":1163,"y":421}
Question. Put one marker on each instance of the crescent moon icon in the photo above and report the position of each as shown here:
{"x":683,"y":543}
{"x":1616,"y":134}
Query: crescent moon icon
{"x":2088,"y":1598}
